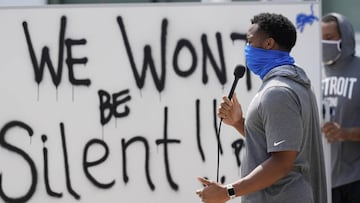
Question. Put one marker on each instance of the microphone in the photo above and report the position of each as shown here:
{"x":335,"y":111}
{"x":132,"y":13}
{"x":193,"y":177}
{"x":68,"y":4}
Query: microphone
{"x":239,"y":72}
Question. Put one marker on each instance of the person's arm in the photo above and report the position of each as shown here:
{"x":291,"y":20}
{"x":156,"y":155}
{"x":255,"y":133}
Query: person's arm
{"x":352,"y":134}
{"x":231,"y":113}
{"x":266,"y":174}
{"x":334,"y":132}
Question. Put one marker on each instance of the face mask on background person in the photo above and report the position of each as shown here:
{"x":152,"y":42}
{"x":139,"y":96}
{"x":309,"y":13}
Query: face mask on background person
{"x":331,"y":51}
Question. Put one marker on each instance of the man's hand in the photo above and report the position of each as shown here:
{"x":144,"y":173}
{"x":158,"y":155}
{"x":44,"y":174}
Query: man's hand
{"x":212,"y":192}
{"x":333,"y":132}
{"x":231,"y":113}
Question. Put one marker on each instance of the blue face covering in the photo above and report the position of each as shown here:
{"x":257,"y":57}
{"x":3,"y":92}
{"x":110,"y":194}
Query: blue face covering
{"x":261,"y":61}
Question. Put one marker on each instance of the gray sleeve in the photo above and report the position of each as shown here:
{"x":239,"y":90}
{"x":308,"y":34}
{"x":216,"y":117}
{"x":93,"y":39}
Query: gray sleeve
{"x":281,"y":113}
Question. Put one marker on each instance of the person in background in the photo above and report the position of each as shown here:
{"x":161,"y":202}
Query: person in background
{"x":341,"y":91}
{"x":284,"y":156}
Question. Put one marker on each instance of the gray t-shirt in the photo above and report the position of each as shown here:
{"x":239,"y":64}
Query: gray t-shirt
{"x":283,"y":116}
{"x":341,"y":89}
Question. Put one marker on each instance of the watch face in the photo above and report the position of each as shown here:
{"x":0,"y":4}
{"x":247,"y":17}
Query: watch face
{"x":231,"y":192}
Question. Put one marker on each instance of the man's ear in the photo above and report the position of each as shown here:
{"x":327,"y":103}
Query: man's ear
{"x":269,"y":43}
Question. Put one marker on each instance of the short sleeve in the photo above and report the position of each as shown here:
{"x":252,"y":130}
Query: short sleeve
{"x":280,"y":110}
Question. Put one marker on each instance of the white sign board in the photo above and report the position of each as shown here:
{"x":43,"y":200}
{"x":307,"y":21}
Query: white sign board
{"x":117,"y":103}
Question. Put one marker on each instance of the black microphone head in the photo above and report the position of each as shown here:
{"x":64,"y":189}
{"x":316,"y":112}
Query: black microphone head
{"x":239,"y":71}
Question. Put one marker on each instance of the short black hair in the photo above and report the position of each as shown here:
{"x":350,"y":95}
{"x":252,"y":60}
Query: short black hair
{"x":278,"y":27}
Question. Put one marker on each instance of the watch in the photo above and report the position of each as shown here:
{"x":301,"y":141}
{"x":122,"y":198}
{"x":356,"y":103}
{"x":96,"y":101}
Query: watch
{"x":230,"y":191}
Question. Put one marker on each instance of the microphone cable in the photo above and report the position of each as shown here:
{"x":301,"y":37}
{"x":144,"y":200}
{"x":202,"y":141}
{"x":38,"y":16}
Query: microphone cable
{"x":239,"y":72}
{"x":218,"y":153}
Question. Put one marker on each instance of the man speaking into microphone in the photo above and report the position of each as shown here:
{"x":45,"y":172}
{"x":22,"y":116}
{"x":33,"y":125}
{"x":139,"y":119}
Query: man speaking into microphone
{"x":284,"y":155}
